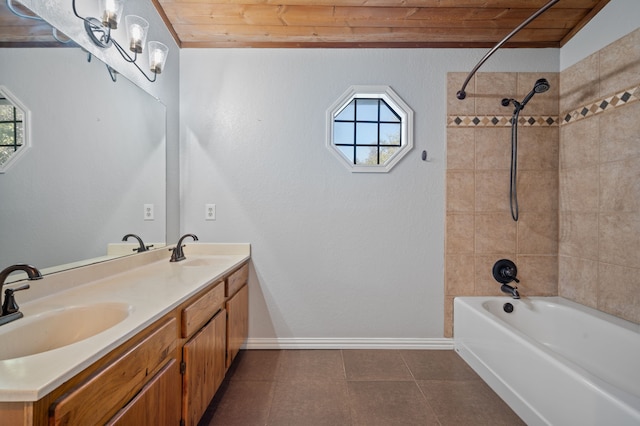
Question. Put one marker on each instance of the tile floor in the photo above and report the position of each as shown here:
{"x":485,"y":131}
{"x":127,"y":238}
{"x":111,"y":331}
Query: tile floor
{"x":354,"y":387}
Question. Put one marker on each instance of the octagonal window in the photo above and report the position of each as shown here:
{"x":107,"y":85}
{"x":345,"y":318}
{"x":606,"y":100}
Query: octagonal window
{"x":369,"y":128}
{"x":13,"y":129}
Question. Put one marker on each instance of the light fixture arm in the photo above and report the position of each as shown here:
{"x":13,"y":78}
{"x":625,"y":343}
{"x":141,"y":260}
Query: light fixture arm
{"x":461,"y":93}
{"x":129,"y":59}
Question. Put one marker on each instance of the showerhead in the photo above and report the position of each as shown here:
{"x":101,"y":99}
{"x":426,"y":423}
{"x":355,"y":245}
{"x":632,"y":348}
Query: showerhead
{"x":541,"y":86}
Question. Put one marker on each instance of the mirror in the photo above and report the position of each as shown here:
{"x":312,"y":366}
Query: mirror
{"x":97,"y":160}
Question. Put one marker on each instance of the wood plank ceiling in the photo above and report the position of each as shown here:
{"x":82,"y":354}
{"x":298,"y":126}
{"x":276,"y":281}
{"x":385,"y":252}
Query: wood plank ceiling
{"x":372,"y":23}
{"x":353,"y":23}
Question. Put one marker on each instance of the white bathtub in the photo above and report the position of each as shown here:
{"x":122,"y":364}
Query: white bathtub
{"x":552,"y":360}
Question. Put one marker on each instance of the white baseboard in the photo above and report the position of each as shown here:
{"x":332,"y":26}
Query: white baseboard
{"x":348,"y":343}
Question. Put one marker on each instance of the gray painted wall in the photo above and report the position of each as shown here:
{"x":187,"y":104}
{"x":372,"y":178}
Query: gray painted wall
{"x":616,"y":19}
{"x":336,"y":254}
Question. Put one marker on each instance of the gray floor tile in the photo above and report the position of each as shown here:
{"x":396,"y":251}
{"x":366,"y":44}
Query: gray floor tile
{"x":438,"y":365}
{"x":255,"y":365}
{"x":310,"y":365}
{"x":375,"y":365}
{"x":310,"y":403}
{"x":467,"y":402}
{"x":240,"y":403}
{"x":388,"y":403}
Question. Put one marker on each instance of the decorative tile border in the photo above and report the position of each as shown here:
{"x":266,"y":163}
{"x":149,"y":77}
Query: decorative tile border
{"x":619,"y":99}
{"x":622,"y":98}
{"x":499,"y":121}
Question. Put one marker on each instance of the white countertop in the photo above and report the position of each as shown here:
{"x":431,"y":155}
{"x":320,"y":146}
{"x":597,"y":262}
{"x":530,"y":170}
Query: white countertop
{"x":152,"y":287}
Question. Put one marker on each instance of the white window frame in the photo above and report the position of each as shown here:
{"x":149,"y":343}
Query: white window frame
{"x":394,"y":102}
{"x":26,"y":123}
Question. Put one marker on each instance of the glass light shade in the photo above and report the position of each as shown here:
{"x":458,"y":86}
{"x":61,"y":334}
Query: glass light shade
{"x":111,"y":12}
{"x":157,"y":56}
{"x":137,"y":28}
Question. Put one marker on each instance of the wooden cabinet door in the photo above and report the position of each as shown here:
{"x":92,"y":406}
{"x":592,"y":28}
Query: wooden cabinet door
{"x":111,"y":387}
{"x":158,"y":403}
{"x":238,"y":323}
{"x":204,"y":358}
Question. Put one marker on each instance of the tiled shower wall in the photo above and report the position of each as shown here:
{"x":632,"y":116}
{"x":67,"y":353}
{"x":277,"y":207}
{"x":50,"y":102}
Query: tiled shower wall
{"x":578,"y":186}
{"x":599,"y":240}
{"x":479,"y":227}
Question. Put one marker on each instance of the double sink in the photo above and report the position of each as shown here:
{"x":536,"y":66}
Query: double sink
{"x":63,"y":332}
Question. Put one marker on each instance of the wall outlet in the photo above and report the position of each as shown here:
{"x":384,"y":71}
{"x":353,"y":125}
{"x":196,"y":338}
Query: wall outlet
{"x":209,"y":212}
{"x":148,"y":212}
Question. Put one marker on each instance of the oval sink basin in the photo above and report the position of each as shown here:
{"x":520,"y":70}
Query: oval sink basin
{"x":55,"y":329}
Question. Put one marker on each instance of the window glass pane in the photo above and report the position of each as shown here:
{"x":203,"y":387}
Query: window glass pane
{"x":347,"y":113}
{"x":367,"y":134}
{"x":347,"y":151}
{"x":386,"y":114}
{"x":343,"y":133}
{"x":367,"y":155}
{"x":5,"y":154}
{"x":387,"y":152}
{"x":6,"y":112}
{"x":6,"y":133}
{"x":19,"y":115}
{"x":19,"y":134}
{"x":389,"y":134}
{"x":367,"y":110}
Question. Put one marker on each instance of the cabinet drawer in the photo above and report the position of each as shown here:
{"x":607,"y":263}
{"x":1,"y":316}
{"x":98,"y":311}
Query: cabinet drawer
{"x":108,"y":389}
{"x":237,"y":280}
{"x":199,"y":312}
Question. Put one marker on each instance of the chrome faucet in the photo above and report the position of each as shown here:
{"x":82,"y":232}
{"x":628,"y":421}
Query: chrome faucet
{"x":142,"y":246}
{"x":10,"y":310}
{"x":505,"y":271}
{"x":177,"y":255}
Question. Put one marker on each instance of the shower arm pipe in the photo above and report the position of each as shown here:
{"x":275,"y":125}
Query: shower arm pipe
{"x":461,"y":93}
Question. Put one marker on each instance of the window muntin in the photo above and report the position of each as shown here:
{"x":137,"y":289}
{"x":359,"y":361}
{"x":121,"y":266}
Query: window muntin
{"x":370,"y":128}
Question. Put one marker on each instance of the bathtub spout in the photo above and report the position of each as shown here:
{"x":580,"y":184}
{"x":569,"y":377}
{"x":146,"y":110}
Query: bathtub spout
{"x":512,"y":291}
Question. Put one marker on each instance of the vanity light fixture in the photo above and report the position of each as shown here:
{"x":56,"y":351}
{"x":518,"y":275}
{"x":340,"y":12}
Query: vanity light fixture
{"x":99,"y":31}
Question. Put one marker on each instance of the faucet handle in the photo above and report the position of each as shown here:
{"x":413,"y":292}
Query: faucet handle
{"x":505,"y":271}
{"x":10,"y":306}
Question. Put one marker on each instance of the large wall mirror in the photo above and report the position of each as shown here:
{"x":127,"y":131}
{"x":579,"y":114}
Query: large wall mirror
{"x":97,"y":157}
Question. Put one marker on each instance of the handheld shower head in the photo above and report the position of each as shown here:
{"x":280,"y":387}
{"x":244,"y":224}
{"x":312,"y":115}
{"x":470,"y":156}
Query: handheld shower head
{"x":541,"y":86}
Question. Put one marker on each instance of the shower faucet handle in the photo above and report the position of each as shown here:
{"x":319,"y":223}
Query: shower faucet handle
{"x":505,"y":271}
{"x":509,"y":272}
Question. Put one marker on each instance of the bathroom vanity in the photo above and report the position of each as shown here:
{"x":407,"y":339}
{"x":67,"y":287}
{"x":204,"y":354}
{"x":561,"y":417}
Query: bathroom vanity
{"x":153,"y":340}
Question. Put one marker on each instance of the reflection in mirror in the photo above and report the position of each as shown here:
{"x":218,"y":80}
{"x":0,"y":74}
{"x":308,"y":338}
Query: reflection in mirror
{"x":97,"y":157}
{"x":13,"y":124}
